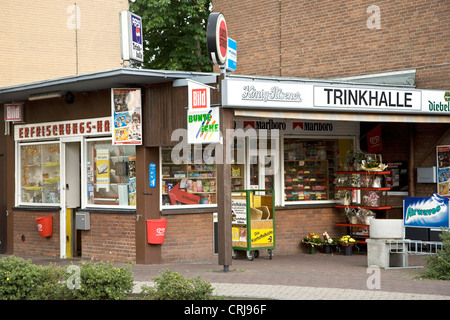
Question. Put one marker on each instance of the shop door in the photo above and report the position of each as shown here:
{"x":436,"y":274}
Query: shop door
{"x":71,"y":196}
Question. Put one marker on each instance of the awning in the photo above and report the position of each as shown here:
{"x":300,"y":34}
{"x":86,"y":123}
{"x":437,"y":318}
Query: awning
{"x":331,"y":116}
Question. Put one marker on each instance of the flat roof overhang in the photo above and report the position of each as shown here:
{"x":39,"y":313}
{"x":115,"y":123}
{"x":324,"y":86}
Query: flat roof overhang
{"x":116,"y":78}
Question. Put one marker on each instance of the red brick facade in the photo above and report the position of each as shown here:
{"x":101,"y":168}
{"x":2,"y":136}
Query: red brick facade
{"x":328,"y":39}
{"x":28,"y":242}
{"x":112,"y":237}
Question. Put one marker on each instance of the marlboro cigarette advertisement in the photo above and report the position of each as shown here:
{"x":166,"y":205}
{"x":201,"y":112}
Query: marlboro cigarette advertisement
{"x":127,"y":116}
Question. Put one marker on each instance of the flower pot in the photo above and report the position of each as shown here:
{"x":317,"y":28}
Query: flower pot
{"x":312,"y":250}
{"x":348,"y":250}
{"x":327,"y":249}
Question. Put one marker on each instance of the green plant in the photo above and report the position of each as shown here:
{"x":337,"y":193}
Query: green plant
{"x":102,"y":281}
{"x":438,"y":265}
{"x":20,"y":279}
{"x":346,"y":241}
{"x":174,"y":286}
{"x":312,"y":240}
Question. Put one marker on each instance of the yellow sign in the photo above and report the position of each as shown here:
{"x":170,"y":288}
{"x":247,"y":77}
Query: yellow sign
{"x":262,"y":236}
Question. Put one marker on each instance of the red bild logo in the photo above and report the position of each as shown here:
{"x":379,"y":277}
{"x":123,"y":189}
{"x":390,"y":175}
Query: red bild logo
{"x":199,"y":99}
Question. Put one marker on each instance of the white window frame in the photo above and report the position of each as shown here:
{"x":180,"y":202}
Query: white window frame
{"x":18,"y":176}
{"x":184,"y":206}
{"x":303,"y":137}
{"x":261,"y":170}
{"x":84,"y":182}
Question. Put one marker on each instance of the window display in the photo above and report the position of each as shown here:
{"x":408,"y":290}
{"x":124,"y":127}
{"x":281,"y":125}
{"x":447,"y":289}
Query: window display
{"x":110,"y":174}
{"x":192,"y":182}
{"x":309,"y":166}
{"x":40,"y":173}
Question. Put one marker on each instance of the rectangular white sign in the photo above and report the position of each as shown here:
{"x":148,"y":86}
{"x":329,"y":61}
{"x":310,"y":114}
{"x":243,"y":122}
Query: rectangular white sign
{"x":35,"y":131}
{"x":367,"y":99}
{"x":204,"y":127}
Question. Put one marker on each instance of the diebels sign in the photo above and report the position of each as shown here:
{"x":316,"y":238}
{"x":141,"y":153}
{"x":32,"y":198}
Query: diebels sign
{"x":430,"y":212}
{"x":217,"y":38}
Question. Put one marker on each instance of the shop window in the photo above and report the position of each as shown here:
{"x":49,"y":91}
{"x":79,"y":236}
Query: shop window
{"x":39,"y":173}
{"x":309,"y":166}
{"x":190,"y":179}
{"x":110,"y":174}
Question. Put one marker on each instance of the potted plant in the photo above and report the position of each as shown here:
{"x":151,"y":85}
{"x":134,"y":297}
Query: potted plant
{"x":347,"y":242}
{"x":352,"y":215}
{"x":327,"y":243}
{"x":312,"y":241}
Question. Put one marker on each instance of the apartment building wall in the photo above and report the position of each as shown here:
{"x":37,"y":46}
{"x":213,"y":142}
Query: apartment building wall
{"x":50,"y":39}
{"x":329,"y":38}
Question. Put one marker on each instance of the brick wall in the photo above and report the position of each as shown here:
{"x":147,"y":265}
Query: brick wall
{"x":325,"y":39}
{"x":41,"y":39}
{"x":189,"y":237}
{"x":111,"y":237}
{"x":28,"y":242}
{"x":294,"y":224}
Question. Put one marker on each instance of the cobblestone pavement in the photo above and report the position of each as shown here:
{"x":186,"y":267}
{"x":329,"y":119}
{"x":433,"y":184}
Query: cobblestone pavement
{"x":301,"y":277}
{"x":309,"y":277}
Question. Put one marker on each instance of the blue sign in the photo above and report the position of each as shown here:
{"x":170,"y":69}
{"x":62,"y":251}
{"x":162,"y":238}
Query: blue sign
{"x":430,"y":212}
{"x":136,"y":28}
{"x":152,"y":175}
{"x":232,"y":55}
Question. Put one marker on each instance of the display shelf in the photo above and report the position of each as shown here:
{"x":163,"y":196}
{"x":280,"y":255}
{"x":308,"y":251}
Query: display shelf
{"x":194,"y":179}
{"x":374,"y":190}
{"x":306,"y":180}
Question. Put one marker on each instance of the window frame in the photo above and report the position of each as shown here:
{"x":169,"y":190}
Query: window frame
{"x":84,"y":178}
{"x":303,"y":137}
{"x":18,"y":176}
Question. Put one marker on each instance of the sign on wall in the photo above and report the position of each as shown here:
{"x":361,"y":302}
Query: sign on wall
{"x":443,"y":167}
{"x":127,"y":116}
{"x":203,"y":122}
{"x":14,"y":112}
{"x":232,"y":55}
{"x":204,"y":127}
{"x":430,"y":212}
{"x":46,"y":130}
{"x":131,"y":37}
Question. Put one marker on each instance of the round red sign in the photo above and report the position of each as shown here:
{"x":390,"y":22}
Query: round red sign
{"x":217,"y":38}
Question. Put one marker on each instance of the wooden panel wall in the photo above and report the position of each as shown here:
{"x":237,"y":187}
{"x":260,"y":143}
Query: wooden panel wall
{"x":165,"y":110}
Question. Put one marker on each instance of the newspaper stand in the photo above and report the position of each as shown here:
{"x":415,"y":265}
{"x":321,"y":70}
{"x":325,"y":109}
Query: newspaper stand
{"x":253,"y":219}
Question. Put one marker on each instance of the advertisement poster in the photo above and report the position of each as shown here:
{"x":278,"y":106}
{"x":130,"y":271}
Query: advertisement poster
{"x":430,"y":212}
{"x":262,"y":236}
{"x":204,"y":127}
{"x":239,"y":210}
{"x":127,"y":116}
{"x":103,"y":169}
{"x":443,"y":164}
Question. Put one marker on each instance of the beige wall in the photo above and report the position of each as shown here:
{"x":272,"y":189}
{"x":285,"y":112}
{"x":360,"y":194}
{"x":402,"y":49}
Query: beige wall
{"x":39,"y":39}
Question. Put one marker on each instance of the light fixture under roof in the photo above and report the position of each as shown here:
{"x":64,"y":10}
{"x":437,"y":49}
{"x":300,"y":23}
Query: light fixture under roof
{"x":47,"y":95}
